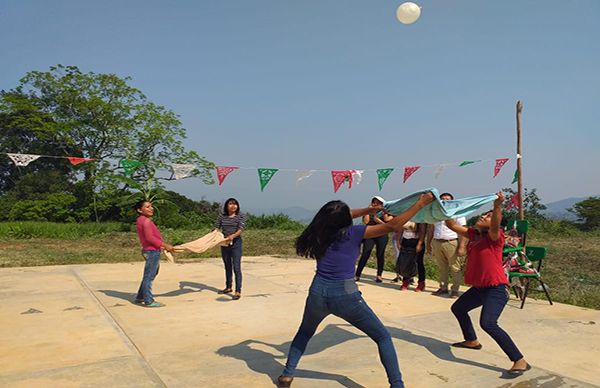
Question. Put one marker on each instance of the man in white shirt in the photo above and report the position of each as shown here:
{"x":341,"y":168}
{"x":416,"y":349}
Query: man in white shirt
{"x":447,"y":248}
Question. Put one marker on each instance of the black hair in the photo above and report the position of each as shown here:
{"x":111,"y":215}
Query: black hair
{"x":138,"y":205}
{"x":447,"y":194}
{"x":225,"y":212}
{"x":328,"y":226}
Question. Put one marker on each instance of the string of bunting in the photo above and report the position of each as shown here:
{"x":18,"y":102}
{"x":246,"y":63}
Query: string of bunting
{"x":265,"y":175}
{"x":340,"y":177}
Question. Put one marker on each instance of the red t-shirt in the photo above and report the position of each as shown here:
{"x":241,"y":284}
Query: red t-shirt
{"x":484,"y":260}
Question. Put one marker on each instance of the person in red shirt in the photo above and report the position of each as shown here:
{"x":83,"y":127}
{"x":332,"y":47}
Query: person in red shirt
{"x":489,"y":283}
{"x":152,"y":243}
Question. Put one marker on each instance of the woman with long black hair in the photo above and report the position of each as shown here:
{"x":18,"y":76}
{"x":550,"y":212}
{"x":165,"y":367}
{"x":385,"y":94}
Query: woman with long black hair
{"x":334,"y":242}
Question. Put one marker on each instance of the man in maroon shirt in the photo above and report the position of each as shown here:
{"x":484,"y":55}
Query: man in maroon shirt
{"x":489,"y":289}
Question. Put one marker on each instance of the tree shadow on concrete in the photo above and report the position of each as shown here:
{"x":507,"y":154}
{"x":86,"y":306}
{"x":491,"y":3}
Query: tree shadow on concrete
{"x":267,"y":363}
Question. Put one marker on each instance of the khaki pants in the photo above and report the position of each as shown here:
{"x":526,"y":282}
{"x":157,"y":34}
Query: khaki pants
{"x":448,"y":262}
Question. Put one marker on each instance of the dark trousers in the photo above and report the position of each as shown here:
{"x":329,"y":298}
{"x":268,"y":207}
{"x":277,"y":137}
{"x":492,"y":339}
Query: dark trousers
{"x":232,"y":259}
{"x":379,"y":243}
{"x":493,"y":299}
{"x":412,"y":243}
{"x":421,"y":265}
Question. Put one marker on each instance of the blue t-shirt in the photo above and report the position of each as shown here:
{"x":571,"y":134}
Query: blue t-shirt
{"x":340,"y":258}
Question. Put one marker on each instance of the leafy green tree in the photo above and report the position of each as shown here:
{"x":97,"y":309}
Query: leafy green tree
{"x":588,"y":211}
{"x":16,"y":137}
{"x":96,"y":116}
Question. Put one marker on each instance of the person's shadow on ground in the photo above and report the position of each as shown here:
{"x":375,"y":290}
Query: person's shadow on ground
{"x":334,"y":334}
{"x":268,"y":363}
{"x":185,"y":287}
{"x":438,"y":348}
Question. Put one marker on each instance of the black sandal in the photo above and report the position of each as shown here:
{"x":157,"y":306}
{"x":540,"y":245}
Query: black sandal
{"x":462,"y":345}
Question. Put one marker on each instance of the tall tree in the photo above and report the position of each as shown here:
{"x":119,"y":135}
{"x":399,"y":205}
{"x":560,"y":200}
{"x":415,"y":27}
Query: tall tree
{"x":22,"y":131}
{"x":99,"y":116}
{"x":588,"y":211}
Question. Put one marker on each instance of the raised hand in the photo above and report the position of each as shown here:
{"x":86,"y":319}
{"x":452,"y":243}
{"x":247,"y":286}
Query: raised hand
{"x":500,"y":200}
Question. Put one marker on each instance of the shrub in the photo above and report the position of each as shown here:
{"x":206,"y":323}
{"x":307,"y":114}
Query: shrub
{"x":275,"y":221}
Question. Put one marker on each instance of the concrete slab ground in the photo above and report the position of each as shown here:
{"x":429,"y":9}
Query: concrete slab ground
{"x":75,"y":326}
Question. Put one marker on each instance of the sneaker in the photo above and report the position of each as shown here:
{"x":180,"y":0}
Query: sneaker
{"x":454,"y":294}
{"x":404,"y":285}
{"x":420,"y":287}
{"x":138,"y":301}
{"x":236,"y":296}
{"x":378,"y":279}
{"x":225,"y":291}
{"x":440,"y":292}
{"x":155,"y":304}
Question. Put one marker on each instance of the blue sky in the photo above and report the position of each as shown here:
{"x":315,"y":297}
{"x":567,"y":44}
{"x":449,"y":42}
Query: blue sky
{"x":320,"y":84}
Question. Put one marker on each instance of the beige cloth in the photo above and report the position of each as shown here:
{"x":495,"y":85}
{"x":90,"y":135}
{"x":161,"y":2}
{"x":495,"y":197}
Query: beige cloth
{"x":169,"y":256}
{"x":200,"y":245}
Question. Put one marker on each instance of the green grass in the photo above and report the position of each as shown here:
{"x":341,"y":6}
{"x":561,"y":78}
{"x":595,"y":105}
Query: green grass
{"x":119,"y":247}
{"x":66,"y":231}
{"x":572,"y":268}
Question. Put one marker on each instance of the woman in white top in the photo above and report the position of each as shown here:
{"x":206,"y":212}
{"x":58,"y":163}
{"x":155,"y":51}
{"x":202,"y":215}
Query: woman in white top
{"x":410,"y":258}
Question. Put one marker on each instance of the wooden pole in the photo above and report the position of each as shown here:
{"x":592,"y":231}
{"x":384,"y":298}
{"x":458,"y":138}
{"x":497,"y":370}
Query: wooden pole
{"x":519,"y":162}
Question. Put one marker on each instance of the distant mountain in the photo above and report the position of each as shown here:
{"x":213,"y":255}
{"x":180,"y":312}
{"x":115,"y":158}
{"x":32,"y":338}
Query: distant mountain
{"x":296,"y":213}
{"x":554,"y":210}
{"x":558,"y":209}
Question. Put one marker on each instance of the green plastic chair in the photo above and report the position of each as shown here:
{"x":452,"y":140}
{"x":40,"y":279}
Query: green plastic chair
{"x":531,"y":255}
{"x":522,"y":227}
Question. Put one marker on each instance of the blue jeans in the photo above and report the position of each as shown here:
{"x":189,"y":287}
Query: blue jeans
{"x":150,"y":272}
{"x":342,"y":298}
{"x":232,"y":258}
{"x":493,"y":299}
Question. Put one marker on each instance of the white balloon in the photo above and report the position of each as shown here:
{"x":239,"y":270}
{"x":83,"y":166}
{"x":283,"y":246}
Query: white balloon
{"x":408,"y":13}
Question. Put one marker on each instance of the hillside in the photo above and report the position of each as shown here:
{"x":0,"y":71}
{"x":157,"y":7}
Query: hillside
{"x":558,"y":209}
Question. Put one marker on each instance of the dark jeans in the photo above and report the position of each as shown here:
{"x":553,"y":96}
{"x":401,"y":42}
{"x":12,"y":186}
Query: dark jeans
{"x":342,"y":298}
{"x":493,"y":299}
{"x":379,"y":243}
{"x":150,"y":271}
{"x":412,"y":243}
{"x":232,"y":258}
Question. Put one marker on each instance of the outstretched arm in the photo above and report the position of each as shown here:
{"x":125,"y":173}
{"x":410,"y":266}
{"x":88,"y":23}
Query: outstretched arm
{"x":458,"y":228}
{"x":421,"y":231}
{"x":365,"y":211}
{"x":397,"y":222}
{"x":428,"y":237}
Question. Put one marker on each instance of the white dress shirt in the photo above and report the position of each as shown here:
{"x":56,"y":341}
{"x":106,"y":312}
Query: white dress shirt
{"x":442,"y":232}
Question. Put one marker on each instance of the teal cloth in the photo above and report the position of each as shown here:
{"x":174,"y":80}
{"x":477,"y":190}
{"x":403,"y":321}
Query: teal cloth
{"x":438,"y":210}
